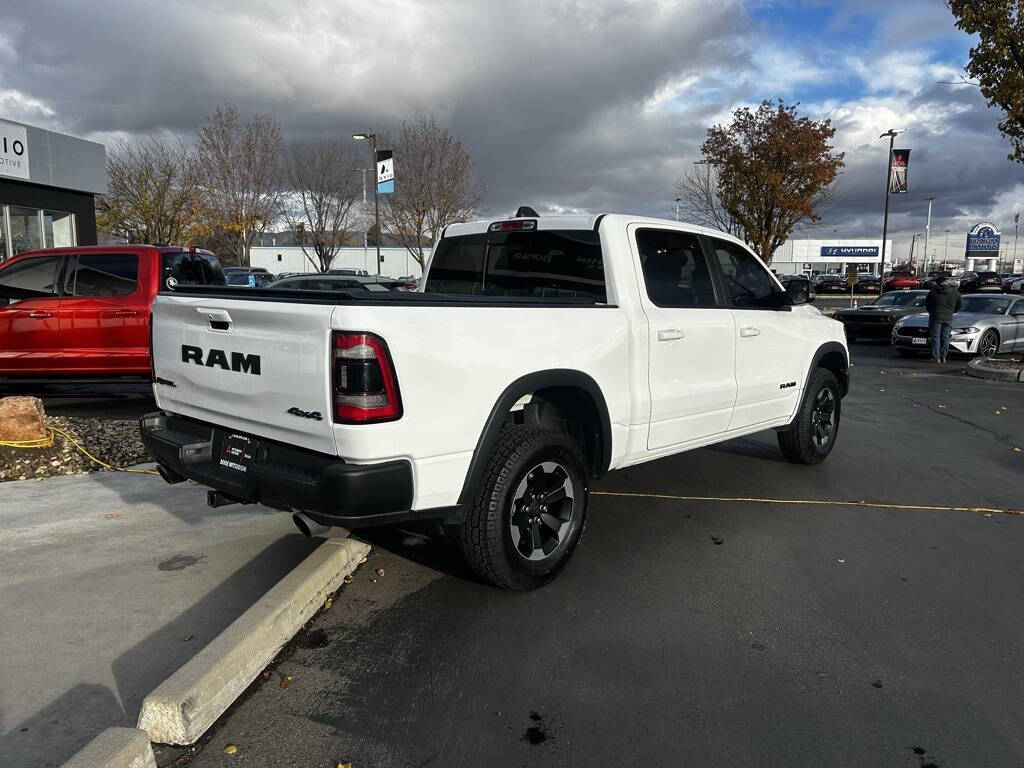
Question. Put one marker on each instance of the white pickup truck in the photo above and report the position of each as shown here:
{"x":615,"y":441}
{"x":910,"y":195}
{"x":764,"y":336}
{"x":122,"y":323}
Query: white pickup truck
{"x":540,"y":353}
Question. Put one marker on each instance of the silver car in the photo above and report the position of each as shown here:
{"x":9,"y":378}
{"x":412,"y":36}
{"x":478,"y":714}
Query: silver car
{"x":987,"y":325}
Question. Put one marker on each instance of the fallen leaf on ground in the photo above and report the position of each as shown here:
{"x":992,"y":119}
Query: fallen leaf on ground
{"x":942,"y":406}
{"x":380,"y":571}
{"x":328,"y":602}
{"x":286,"y":681}
{"x":344,"y":765}
{"x":186,"y":638}
{"x":363,"y":560}
{"x":230,"y":749}
{"x":111,"y":515}
{"x":266,"y":674}
{"x":1016,"y":450}
{"x":840,"y":560}
{"x":347,"y":579}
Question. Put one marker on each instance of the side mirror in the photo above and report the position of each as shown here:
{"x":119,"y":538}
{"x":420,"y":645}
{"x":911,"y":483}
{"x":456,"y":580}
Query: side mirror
{"x":800,"y":291}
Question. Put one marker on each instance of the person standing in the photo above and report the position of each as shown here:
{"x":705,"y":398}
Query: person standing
{"x":943,"y":301}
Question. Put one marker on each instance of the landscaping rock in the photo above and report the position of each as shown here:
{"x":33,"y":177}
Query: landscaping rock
{"x":21,"y":419}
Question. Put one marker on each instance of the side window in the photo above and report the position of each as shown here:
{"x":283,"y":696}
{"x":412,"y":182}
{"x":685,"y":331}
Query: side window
{"x":103,"y":274}
{"x":29,"y":278}
{"x":746,"y":280}
{"x":675,"y":271}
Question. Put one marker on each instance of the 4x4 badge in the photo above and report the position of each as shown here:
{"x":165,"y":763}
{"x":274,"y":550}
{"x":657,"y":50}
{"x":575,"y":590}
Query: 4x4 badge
{"x":305,"y":414}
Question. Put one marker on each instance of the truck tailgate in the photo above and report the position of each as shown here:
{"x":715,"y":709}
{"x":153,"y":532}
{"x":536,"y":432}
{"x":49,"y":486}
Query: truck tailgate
{"x":259,"y":367}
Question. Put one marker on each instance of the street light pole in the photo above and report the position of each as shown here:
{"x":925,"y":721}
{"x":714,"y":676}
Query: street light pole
{"x":363,"y":172}
{"x":891,"y":133}
{"x":677,"y":209}
{"x":376,"y":197}
{"x":945,"y":252}
{"x":927,"y":229}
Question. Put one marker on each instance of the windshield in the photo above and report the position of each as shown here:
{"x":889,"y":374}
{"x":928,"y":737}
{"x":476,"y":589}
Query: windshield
{"x":986,"y":305}
{"x":897,"y":299}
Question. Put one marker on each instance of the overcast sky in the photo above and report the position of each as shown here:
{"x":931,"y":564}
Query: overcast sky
{"x":577,"y":105}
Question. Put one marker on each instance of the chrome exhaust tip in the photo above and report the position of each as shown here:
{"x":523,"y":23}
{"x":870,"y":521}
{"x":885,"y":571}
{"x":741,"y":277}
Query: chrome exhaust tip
{"x":307,"y":526}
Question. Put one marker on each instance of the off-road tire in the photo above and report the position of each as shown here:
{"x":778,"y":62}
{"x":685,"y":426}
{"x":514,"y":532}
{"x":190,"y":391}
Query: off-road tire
{"x":798,"y":443}
{"x":485,"y":536}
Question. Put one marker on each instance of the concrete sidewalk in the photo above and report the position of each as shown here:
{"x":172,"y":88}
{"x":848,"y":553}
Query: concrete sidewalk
{"x":108,"y":583}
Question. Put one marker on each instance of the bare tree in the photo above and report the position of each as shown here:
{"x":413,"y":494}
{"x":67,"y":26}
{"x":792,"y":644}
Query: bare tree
{"x":152,"y":184}
{"x":697,"y":190}
{"x":321,"y":196}
{"x":434,"y":186}
{"x":242,"y":175}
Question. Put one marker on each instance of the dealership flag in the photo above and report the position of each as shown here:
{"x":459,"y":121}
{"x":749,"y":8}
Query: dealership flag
{"x":898,"y":175}
{"x":385,"y":172}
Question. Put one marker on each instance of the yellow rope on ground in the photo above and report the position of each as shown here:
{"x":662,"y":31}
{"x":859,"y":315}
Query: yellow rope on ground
{"x":823,"y":502}
{"x":46,"y":442}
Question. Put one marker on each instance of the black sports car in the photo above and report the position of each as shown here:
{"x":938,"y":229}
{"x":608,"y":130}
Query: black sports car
{"x":831,"y":284}
{"x":875,"y":320}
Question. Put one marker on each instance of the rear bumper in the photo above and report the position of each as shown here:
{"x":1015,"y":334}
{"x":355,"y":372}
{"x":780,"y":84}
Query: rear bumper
{"x":281,"y":476}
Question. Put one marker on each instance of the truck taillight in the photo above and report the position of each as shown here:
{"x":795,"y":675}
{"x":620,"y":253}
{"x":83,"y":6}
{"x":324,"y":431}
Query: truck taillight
{"x":363,"y":383}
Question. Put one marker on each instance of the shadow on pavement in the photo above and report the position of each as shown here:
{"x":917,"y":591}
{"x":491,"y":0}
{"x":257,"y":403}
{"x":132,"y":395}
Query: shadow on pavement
{"x":53,"y":735}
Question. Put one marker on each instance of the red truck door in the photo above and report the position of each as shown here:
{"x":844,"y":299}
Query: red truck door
{"x":29,"y":330}
{"x":104,"y":314}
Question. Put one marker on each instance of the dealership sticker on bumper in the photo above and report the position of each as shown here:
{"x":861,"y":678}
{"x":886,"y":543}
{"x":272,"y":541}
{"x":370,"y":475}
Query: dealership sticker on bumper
{"x":920,"y":341}
{"x":239,"y":452}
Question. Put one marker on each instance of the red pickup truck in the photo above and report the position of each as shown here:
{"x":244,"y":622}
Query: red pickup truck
{"x":79,"y":318}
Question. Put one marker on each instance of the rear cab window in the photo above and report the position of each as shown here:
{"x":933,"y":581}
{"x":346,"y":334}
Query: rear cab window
{"x":190,"y":268}
{"x":540,"y":264}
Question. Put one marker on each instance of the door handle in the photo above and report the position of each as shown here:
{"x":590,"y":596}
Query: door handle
{"x":218,"y":319}
{"x":125,"y":313}
{"x":40,"y":314}
{"x":670,"y":334}
{"x":749,"y":331}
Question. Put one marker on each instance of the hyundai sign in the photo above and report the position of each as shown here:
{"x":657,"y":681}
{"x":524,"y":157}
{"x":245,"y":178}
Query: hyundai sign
{"x":984,"y":238}
{"x":851,"y":253}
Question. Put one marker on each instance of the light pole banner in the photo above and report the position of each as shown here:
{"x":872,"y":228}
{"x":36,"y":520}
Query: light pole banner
{"x":898,"y":174}
{"x":385,"y":172}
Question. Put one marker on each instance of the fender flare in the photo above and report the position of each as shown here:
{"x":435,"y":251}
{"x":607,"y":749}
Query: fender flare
{"x":828,"y":348}
{"x":524,"y":385}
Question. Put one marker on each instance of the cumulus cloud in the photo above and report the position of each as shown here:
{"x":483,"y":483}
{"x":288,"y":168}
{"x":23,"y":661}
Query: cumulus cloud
{"x":566,"y":105}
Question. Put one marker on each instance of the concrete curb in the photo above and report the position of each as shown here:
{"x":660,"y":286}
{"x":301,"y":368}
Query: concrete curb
{"x":188,"y":702}
{"x":982,"y":369}
{"x":115,"y":748}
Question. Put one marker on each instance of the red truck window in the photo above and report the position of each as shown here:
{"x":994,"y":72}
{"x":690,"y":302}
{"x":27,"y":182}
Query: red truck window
{"x":103,"y":274}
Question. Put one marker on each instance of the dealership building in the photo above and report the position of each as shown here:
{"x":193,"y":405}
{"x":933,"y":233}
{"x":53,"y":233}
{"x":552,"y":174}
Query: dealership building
{"x":48,"y":187}
{"x":813,"y":257}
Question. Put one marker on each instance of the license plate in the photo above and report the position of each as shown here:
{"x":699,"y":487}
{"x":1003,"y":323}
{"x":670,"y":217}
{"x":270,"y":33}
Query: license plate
{"x":239,"y":452}
{"x":919,"y":341}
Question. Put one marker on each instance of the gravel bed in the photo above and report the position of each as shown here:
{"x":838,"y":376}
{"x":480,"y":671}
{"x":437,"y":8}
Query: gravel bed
{"x":115,"y":442}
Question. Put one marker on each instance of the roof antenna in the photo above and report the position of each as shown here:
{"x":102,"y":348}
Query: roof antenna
{"x":525,"y":210}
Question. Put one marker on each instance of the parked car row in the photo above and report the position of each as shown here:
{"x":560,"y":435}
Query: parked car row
{"x":79,"y":318}
{"x":989,"y":324}
{"x":967,"y":282}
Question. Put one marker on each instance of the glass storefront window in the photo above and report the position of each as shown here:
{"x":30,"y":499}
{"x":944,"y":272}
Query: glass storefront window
{"x":4,"y":239}
{"x":58,"y":229}
{"x":25,"y":231}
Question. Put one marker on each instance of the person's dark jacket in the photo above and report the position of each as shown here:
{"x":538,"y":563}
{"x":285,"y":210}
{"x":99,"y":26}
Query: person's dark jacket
{"x":943,"y":302}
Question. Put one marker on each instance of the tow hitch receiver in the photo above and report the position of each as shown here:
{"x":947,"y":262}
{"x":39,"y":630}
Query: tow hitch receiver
{"x":217,"y":499}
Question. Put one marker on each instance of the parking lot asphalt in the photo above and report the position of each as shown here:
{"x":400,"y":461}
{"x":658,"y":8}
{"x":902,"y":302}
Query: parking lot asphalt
{"x":701,"y":633}
{"x":108,"y":584}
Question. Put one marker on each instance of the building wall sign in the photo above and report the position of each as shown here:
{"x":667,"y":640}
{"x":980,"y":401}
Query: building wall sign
{"x":848,"y":252}
{"x":13,"y":150}
{"x":984,"y":238}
